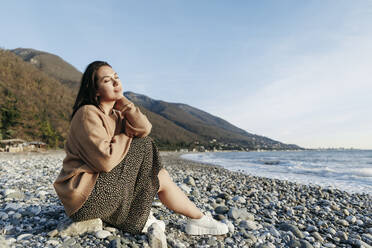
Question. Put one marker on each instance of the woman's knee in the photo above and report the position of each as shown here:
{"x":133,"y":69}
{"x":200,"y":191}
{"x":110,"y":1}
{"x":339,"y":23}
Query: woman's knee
{"x":164,"y":179}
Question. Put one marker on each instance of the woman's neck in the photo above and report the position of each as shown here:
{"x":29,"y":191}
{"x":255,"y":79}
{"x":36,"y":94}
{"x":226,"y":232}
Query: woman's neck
{"x":107,"y":107}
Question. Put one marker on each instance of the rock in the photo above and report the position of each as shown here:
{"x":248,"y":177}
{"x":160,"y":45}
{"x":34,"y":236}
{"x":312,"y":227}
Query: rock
{"x":32,"y":210}
{"x":274,"y":232}
{"x":53,"y":233}
{"x":185,"y":188}
{"x":3,"y":242}
{"x":294,"y":229}
{"x":367,"y":237}
{"x":157,"y":204}
{"x":351,"y":219}
{"x":241,"y":213}
{"x":24,"y":236}
{"x":331,"y":231}
{"x":115,"y":243}
{"x":190,"y":181}
{"x":69,"y":242}
{"x":329,"y":245}
{"x":317,"y":236}
{"x":221,"y":209}
{"x":76,"y":228}
{"x":294,"y":244}
{"x":343,"y":222}
{"x":3,"y":216}
{"x":111,"y":229}
{"x":342,"y":235}
{"x":305,"y":244}
{"x":52,"y":242}
{"x":102,"y":234}
{"x":156,"y":236}
{"x":12,"y":206}
{"x":248,"y":224}
{"x":311,"y":229}
{"x":239,"y":199}
{"x":224,"y":196}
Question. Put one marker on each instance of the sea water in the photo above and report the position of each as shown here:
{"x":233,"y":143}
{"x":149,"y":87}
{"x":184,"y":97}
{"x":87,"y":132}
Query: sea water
{"x":349,"y":170}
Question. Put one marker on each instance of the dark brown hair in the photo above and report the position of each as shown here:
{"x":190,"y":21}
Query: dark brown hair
{"x":88,"y":87}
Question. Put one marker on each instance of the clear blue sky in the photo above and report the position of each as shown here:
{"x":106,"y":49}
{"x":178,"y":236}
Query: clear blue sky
{"x":295,"y":71}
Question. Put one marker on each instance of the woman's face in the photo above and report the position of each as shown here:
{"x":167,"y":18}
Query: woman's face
{"x":109,"y":84}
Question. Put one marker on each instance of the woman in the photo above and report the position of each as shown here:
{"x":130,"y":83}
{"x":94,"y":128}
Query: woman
{"x":112,"y":169}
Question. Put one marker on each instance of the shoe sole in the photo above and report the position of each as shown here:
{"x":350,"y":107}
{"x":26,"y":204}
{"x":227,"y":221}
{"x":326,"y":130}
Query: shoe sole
{"x":197,"y":230}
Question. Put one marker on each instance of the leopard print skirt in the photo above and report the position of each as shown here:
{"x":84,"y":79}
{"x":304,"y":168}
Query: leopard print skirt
{"x":123,"y":196}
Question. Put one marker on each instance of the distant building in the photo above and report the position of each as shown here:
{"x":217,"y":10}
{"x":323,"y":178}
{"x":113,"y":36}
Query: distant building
{"x":20,"y":145}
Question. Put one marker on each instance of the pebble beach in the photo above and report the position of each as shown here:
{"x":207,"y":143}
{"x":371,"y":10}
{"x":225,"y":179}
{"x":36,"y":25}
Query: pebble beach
{"x":260,"y":212}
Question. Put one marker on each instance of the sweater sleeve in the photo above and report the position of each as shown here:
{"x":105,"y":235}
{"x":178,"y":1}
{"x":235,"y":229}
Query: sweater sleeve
{"x":97,"y":148}
{"x":136,"y":124}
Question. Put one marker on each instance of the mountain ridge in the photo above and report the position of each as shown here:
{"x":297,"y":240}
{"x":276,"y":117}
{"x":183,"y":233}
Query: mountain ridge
{"x":175,"y":125}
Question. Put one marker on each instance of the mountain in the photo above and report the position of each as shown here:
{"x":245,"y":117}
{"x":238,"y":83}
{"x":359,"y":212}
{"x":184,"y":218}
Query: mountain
{"x":52,"y":65}
{"x":210,"y":130}
{"x":38,"y":89}
{"x":34,"y":105}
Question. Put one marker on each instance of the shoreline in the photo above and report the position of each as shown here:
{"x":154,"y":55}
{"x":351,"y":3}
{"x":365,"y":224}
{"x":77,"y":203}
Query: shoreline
{"x":263,"y":212}
{"x":319,"y":181}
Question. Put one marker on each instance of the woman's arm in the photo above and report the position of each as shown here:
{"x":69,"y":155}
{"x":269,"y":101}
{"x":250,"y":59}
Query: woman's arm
{"x":136,"y":123}
{"x":95,"y":146}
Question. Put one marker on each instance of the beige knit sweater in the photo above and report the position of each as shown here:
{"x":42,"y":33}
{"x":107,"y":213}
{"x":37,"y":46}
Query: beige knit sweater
{"x":96,"y":143}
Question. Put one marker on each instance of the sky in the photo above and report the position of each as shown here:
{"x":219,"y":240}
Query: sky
{"x":297,"y":71}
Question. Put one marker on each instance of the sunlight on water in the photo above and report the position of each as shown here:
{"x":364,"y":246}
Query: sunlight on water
{"x":349,"y":170}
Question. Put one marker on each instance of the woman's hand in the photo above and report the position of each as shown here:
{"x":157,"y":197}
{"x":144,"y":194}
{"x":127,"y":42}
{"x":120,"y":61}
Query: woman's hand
{"x":121,"y":103}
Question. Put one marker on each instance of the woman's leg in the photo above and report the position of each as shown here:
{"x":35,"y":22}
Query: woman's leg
{"x":174,"y":198}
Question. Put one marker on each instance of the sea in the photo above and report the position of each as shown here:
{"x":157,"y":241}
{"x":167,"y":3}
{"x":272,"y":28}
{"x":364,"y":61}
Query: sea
{"x":348,"y":170}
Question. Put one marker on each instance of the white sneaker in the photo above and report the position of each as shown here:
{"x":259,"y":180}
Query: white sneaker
{"x":205,"y":225}
{"x":152,"y":220}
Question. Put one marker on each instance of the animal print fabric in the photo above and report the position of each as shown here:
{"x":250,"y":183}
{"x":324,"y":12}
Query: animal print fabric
{"x":123,"y":196}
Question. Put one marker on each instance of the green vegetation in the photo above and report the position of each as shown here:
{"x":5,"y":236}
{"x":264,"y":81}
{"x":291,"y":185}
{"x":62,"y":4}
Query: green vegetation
{"x":38,"y":89}
{"x":31,"y":102}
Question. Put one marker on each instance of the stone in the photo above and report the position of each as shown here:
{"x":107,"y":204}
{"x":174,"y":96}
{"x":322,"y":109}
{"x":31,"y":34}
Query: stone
{"x":13,"y":194}
{"x":157,"y":204}
{"x":12,"y":206}
{"x":242,"y":213}
{"x":221,"y":210}
{"x":311,"y":229}
{"x":329,"y":245}
{"x":351,"y":219}
{"x":115,"y":243}
{"x":76,"y":228}
{"x":294,"y":229}
{"x":342,"y":235}
{"x":33,"y":210}
{"x":156,"y":236}
{"x":53,"y":233}
{"x":343,"y":222}
{"x":185,"y":188}
{"x":190,"y":181}
{"x":248,"y":224}
{"x":239,"y":199}
{"x":294,"y":244}
{"x":69,"y":242}
{"x":110,"y":229}
{"x":102,"y":234}
{"x":52,"y":242}
{"x":305,"y":244}
{"x":367,"y":236}
{"x":24,"y":236}
{"x":317,"y":236}
{"x":274,"y":232}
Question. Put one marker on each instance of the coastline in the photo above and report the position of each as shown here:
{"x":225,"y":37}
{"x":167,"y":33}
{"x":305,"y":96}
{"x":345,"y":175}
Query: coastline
{"x":263,"y":212}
